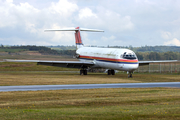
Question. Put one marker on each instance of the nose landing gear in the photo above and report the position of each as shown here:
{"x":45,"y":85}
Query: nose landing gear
{"x":129,"y":74}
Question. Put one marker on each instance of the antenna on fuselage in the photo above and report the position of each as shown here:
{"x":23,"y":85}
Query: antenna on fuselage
{"x":77,"y":30}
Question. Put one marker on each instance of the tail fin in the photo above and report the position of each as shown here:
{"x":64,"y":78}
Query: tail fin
{"x":77,"y":30}
{"x":79,"y":43}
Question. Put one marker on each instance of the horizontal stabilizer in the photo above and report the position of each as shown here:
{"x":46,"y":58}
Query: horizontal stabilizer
{"x":77,"y":30}
{"x":81,"y":29}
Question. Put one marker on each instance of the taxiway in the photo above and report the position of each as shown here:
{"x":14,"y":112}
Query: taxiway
{"x":89,"y":86}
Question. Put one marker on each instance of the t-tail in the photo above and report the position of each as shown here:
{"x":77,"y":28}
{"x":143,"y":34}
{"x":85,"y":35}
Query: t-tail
{"x":79,"y":43}
{"x":77,"y":30}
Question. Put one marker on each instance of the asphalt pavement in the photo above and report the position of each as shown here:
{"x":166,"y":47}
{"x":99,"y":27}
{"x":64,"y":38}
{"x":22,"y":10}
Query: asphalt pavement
{"x":89,"y":86}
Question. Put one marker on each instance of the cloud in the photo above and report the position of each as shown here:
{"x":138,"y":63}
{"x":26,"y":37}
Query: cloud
{"x":175,"y":42}
{"x":105,"y":19}
{"x":103,"y":38}
{"x":63,"y":8}
{"x":23,"y":19}
{"x":13,"y":15}
{"x":116,"y":22}
{"x":137,"y":23}
{"x":166,"y":35}
{"x":86,"y":13}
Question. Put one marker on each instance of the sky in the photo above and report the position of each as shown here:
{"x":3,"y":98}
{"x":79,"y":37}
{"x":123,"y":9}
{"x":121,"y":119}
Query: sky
{"x":125,"y":22}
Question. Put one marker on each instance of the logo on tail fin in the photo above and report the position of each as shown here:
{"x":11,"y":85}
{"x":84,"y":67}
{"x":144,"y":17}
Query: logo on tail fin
{"x":78,"y":38}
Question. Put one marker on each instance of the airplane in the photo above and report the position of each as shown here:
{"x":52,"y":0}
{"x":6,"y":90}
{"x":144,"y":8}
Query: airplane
{"x":94,"y":57}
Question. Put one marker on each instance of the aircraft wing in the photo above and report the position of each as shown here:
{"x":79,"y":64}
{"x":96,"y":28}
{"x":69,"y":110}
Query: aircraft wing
{"x":141,"y":63}
{"x":69,"y":64}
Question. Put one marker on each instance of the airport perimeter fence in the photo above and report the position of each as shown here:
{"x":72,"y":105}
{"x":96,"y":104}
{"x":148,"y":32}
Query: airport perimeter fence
{"x":173,"y":67}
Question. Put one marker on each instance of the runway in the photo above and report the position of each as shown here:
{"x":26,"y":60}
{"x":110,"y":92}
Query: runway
{"x":89,"y":86}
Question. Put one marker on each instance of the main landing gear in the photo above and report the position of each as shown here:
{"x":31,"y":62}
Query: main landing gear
{"x":111,"y":72}
{"x":129,"y":74}
{"x":83,"y":72}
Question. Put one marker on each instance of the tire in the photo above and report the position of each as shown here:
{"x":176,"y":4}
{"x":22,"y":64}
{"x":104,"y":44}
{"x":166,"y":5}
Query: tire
{"x":81,"y":72}
{"x":109,"y":72}
{"x":112,"y":72}
{"x":85,"y":72}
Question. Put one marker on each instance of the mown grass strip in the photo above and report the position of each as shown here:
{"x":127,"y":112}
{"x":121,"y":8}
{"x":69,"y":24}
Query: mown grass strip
{"x":10,"y":78}
{"x":121,"y":103}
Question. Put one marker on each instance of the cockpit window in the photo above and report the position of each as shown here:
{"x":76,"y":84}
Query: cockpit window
{"x":129,"y":55}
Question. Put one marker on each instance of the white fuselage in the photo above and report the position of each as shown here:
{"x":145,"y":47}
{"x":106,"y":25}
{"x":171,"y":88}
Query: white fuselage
{"x":109,"y":58}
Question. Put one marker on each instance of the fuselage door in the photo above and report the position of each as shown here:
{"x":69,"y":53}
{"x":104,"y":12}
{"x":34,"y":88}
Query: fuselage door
{"x":119,"y":61}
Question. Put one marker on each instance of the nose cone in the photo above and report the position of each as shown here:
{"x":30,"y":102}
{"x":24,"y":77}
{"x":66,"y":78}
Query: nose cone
{"x":134,"y":67}
{"x":130,"y":67}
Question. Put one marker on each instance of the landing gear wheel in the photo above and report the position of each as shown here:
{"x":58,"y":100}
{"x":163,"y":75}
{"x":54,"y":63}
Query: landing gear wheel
{"x":130,"y":75}
{"x":111,"y":72}
{"x":83,"y":72}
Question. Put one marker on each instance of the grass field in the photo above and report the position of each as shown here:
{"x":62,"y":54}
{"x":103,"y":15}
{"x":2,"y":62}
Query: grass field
{"x":117,"y":103}
{"x":122,"y":103}
{"x":66,"y":77}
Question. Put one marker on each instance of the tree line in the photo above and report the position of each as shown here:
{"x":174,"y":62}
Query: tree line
{"x":41,"y":49}
{"x":143,"y":53}
{"x":135,"y":49}
{"x":158,"y":55}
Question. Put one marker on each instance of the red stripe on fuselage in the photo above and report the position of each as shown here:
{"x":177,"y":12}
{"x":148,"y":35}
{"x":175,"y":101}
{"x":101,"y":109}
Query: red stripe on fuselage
{"x":108,"y":59}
